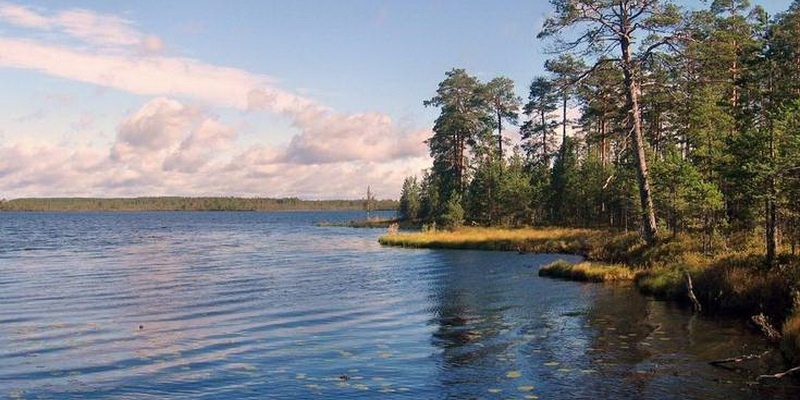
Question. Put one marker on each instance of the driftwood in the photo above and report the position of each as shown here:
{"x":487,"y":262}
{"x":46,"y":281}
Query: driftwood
{"x":779,"y":375}
{"x":695,"y":304}
{"x":722,"y":364}
{"x":761,"y":322}
{"x":738,"y":359}
{"x":765,"y":327}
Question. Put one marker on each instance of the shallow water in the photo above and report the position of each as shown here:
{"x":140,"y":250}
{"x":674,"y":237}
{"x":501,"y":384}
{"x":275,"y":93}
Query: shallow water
{"x":268,"y":305}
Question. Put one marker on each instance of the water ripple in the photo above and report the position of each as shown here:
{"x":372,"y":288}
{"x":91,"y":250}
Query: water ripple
{"x":254,"y":305}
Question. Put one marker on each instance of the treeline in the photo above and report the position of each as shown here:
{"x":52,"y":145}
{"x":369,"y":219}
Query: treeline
{"x":191,"y":204}
{"x":684,"y":122}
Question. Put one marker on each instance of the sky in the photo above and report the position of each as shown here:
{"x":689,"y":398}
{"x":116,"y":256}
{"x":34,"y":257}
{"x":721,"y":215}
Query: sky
{"x":316,"y":99}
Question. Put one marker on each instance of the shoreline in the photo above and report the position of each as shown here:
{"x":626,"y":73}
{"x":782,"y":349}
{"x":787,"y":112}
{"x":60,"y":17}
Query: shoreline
{"x":730,"y":283}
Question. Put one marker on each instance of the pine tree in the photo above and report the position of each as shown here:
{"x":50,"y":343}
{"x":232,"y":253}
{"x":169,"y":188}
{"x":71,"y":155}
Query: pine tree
{"x":536,"y":132}
{"x":461,"y":122}
{"x":605,"y":28}
{"x":410,"y":204}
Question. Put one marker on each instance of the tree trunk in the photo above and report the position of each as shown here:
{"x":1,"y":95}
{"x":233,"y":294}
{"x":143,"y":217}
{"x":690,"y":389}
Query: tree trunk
{"x":460,"y":163}
{"x":544,"y":138}
{"x":603,"y":160}
{"x":649,"y":227}
{"x":564,"y":118}
{"x":500,"y":134}
{"x":772,"y":225}
{"x":772,"y":195}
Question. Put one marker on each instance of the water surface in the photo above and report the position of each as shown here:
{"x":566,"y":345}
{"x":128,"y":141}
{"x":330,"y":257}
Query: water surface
{"x":268,"y":305}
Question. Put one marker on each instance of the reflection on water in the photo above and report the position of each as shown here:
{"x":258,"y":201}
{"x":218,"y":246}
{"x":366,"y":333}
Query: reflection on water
{"x":258,"y":305}
{"x":650,"y":349}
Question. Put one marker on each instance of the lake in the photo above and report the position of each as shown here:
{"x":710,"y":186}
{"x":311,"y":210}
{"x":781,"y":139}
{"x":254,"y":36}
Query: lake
{"x":268,"y":305}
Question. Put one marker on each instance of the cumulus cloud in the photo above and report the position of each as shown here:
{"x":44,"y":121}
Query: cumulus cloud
{"x":166,"y":135}
{"x":330,"y":137}
{"x":155,"y":126}
{"x":47,"y":169}
{"x":197,"y":149}
{"x":327,"y":136}
{"x":50,"y":169}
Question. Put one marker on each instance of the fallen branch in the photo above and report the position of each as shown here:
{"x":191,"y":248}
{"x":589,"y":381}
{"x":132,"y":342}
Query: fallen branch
{"x":779,"y":375}
{"x":762,"y":323}
{"x":692,"y":297}
{"x":738,"y":359}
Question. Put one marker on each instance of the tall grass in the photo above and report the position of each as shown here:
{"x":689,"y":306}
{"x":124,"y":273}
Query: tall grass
{"x":588,"y":272}
{"x":790,"y":345}
{"x":546,"y":240}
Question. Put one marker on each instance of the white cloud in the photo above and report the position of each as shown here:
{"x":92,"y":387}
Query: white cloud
{"x":138,"y":75}
{"x":22,"y":16}
{"x":165,"y":135}
{"x":326,"y":136}
{"x":97,"y":28}
{"x":85,"y":25}
{"x":209,"y":138}
{"x":46,"y":169}
{"x":156,"y":146}
{"x":155,"y":126}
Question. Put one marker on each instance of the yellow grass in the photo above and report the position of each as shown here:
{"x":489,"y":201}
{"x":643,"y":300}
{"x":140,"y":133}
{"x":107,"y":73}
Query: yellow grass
{"x":588,"y":272}
{"x":545,"y":240}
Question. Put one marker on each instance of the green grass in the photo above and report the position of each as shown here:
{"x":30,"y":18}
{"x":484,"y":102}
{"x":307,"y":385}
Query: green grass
{"x":662,"y":283}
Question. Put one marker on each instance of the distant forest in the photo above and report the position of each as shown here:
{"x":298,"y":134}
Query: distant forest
{"x":192,"y":204}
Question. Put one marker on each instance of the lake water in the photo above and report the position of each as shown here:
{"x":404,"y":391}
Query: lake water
{"x":269,"y":305}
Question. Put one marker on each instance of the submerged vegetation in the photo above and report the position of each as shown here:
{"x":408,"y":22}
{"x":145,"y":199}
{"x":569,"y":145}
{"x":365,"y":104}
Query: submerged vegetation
{"x":189,"y":204}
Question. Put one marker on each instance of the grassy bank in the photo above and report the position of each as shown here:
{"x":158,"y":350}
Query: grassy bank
{"x":592,"y":244}
{"x":588,"y":272}
{"x":732,"y":281}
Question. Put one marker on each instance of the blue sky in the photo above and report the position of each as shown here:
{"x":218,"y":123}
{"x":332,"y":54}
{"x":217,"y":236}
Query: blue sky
{"x":315,"y":99}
